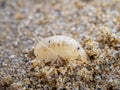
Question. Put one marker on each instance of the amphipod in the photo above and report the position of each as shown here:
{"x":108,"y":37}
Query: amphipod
{"x":51,"y":48}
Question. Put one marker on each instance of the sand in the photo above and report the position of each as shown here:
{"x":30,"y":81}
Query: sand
{"x":95,"y":24}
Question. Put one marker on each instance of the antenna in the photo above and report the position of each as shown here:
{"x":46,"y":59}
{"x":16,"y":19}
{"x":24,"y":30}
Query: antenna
{"x":41,"y":43}
{"x":51,"y":30}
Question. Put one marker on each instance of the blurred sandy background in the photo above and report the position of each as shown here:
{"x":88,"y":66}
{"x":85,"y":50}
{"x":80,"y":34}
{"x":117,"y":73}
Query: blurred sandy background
{"x":93,"y":23}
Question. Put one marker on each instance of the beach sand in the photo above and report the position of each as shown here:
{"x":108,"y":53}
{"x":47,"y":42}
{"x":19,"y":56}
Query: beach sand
{"x":95,"y":24}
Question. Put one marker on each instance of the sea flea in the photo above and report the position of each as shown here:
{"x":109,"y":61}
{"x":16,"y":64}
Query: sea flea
{"x":51,"y":48}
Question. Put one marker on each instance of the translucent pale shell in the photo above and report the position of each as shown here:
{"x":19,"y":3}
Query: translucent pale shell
{"x":53,"y":47}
